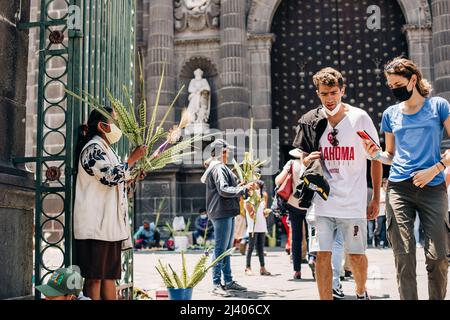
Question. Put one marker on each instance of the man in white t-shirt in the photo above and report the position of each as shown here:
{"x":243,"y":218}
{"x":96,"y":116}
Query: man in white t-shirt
{"x":346,"y":210}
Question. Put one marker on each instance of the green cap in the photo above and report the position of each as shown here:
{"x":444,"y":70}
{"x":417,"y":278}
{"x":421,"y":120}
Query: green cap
{"x":64,"y":281}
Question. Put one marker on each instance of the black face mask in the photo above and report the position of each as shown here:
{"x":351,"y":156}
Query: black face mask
{"x":402,"y":93}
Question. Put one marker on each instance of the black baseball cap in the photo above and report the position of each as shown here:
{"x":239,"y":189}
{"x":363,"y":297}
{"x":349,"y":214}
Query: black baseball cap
{"x":218,"y":145}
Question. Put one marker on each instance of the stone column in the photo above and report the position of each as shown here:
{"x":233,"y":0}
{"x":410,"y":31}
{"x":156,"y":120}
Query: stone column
{"x":259,"y":50}
{"x":16,"y":194}
{"x":420,"y":48}
{"x":233,"y":109}
{"x":259,"y":47}
{"x":441,"y":47}
{"x":160,"y":52}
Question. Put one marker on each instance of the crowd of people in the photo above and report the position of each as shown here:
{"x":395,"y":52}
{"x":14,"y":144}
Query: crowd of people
{"x":327,"y":205}
{"x":328,"y":173}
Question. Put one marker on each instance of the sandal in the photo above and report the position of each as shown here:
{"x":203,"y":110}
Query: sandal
{"x":265,"y":273}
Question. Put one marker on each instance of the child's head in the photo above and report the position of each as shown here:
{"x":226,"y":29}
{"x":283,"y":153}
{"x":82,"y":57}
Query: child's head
{"x":64,"y":284}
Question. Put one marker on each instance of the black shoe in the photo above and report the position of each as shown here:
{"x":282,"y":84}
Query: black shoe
{"x":348,"y":274}
{"x":338,"y":294}
{"x":234,"y":286}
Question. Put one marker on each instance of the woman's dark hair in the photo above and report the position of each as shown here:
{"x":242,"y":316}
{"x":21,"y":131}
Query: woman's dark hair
{"x":261,"y":187}
{"x":406,"y":68}
{"x":87,"y":131}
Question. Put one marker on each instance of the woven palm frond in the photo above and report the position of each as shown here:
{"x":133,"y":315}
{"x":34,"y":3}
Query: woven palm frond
{"x":185,"y":118}
{"x":155,"y":107}
{"x":176,"y":278}
{"x":184,"y":276}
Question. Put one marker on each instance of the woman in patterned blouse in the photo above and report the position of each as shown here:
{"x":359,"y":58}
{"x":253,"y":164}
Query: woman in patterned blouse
{"x":101,"y":224}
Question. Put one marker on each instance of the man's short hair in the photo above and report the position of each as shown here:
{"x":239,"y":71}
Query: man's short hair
{"x":329,"y":77}
{"x":202,"y":210}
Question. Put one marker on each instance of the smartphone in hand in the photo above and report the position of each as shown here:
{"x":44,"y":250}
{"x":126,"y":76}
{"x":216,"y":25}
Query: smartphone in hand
{"x":365,"y":136}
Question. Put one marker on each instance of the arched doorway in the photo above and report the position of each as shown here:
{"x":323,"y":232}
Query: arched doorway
{"x":313,"y":34}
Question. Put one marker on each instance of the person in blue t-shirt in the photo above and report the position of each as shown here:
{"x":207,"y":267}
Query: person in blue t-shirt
{"x":147,"y":236}
{"x":413,"y":132}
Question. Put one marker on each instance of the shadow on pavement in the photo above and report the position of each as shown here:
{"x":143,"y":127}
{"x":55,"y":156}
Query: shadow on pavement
{"x":254,"y":294}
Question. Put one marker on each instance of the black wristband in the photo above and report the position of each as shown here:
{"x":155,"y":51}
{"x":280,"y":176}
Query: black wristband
{"x":440,"y":161}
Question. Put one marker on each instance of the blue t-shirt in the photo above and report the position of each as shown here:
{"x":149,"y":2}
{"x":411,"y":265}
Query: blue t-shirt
{"x":418,"y":138}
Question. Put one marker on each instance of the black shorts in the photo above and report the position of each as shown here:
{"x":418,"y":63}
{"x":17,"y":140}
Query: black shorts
{"x":99,"y":260}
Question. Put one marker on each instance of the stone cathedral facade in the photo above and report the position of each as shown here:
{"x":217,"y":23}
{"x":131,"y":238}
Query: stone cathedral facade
{"x":259,"y":57}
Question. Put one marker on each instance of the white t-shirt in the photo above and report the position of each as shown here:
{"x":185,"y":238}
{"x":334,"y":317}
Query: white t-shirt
{"x":347,"y":164}
{"x":382,"y":203}
{"x":261,"y":223}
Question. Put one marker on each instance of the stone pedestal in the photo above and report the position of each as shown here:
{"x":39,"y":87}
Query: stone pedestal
{"x":16,"y":185}
{"x":197,"y":128}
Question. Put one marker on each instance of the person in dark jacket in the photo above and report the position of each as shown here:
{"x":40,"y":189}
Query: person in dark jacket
{"x":222,"y":199}
{"x":203,"y":227}
{"x":310,"y":129}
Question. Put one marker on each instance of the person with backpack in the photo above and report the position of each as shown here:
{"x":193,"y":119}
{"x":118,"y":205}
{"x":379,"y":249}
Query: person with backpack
{"x":296,"y":215}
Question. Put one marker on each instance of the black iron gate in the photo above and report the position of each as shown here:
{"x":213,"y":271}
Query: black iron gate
{"x":93,"y":42}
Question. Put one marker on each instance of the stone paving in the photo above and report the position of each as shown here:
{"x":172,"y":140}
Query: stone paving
{"x":381,"y":282}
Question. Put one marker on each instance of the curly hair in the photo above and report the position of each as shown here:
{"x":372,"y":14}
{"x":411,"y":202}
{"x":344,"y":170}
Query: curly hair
{"x":329,"y":77}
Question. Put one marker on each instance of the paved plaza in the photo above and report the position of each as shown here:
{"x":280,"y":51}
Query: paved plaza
{"x":381,"y":282}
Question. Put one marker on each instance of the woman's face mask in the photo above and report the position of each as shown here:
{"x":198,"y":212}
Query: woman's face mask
{"x":402,"y":94}
{"x":114,"y":133}
{"x":400,"y":91}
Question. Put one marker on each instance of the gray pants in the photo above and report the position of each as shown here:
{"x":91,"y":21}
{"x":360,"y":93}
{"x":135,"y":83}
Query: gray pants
{"x":403,"y":200}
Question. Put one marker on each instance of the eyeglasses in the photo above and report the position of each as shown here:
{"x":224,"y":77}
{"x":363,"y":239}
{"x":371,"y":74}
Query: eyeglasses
{"x":332,"y":137}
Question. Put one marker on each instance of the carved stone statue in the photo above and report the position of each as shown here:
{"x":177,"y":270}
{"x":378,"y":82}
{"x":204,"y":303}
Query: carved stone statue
{"x":199,"y":102}
{"x":196,"y":15}
{"x":197,"y":5}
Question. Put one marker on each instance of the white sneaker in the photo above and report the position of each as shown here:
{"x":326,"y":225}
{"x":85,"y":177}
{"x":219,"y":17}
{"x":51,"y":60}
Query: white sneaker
{"x":220,"y":291}
{"x":365,"y":296}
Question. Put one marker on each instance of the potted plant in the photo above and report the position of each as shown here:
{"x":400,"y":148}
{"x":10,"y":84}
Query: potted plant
{"x":181,"y":288}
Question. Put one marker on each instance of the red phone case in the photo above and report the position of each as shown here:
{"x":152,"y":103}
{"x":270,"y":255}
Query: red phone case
{"x":365,"y":136}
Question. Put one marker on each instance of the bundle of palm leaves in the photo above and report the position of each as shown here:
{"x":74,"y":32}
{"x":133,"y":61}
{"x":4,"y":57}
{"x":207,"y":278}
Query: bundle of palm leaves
{"x":248,"y":171}
{"x":142,"y":131}
{"x":173,"y":280}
